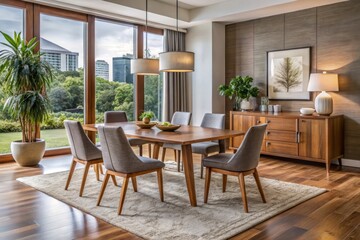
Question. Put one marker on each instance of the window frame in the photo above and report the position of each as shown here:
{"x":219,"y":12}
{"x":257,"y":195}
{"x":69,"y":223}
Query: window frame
{"x":32,"y":29}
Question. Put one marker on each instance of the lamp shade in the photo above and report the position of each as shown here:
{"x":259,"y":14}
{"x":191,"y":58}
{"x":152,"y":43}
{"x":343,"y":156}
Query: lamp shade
{"x":323,"y":82}
{"x":144,"y":66}
{"x":177,"y":61}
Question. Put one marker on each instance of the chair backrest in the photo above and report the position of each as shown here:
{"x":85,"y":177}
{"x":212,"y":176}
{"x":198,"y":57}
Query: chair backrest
{"x":248,"y":154}
{"x":181,"y":118}
{"x":115,"y":116}
{"x":118,"y":156}
{"x":81,"y":146}
{"x":213,"y":120}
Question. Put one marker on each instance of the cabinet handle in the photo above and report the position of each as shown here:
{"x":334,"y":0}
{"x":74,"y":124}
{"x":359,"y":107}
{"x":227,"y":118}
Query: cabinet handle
{"x":258,"y":122}
{"x":268,"y":121}
{"x":267,"y":132}
{"x":298,"y":137}
{"x":267,"y":144}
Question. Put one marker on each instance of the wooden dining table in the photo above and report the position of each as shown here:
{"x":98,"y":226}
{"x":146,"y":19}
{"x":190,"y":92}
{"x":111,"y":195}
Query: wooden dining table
{"x":185,"y":136}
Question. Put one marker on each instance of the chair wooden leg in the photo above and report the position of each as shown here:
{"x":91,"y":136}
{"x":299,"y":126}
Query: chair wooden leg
{"x":175,"y":155}
{"x":178,"y":160}
{"x":224,"y":179}
{"x":134,"y":183}
{"x":140,"y":150}
{"x":103,"y":187}
{"x":258,"y":183}
{"x":122,"y":194}
{"x":207,"y":184}
{"x":86,"y":171}
{"x":243,"y":191}
{"x":182,"y":166}
{"x":149,"y":146}
{"x":101,"y":169}
{"x":202,"y":165}
{"x":71,"y":172}
{"x":163,"y":154}
{"x":160,"y":183}
{"x":97,"y":171}
{"x":114,"y":180}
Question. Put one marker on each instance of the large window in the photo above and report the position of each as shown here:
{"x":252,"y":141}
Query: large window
{"x":11,"y":19}
{"x":153,"y":84}
{"x":62,"y":45}
{"x":114,"y":48}
{"x":91,"y":61}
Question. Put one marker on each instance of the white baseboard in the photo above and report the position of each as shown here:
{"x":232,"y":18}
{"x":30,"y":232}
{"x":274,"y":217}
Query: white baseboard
{"x":349,"y":163}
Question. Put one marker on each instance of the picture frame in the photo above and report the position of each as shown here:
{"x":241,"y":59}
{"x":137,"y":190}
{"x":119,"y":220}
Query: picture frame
{"x":288,"y":73}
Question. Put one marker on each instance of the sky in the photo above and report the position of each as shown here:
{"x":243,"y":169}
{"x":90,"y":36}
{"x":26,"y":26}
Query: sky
{"x":111,"y":39}
{"x":11,"y":19}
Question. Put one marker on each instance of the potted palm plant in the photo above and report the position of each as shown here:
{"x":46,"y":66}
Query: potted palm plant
{"x":24,"y":79}
{"x":241,"y":89}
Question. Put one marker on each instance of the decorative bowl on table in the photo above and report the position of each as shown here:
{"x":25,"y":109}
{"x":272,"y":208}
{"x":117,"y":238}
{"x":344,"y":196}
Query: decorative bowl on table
{"x":167,"y":127}
{"x":307,"y":111}
{"x":143,"y":125}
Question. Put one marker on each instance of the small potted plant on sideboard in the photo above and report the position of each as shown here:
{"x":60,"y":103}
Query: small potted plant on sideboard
{"x":241,"y":89}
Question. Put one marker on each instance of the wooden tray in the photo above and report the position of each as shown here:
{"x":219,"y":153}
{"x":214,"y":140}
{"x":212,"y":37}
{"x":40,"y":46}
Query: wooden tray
{"x":168,"y":128}
{"x":145,"y":125}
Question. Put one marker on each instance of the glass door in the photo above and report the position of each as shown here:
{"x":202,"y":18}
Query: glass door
{"x":11,"y":20}
{"x":62,"y":43}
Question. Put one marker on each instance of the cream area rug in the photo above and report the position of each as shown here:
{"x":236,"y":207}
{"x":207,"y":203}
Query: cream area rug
{"x":146,"y":216}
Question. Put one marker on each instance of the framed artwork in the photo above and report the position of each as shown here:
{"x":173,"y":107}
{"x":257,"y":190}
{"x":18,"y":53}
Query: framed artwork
{"x":288,"y":73}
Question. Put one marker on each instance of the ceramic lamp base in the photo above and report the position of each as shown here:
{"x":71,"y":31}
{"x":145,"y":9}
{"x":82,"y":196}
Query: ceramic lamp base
{"x":324,"y":104}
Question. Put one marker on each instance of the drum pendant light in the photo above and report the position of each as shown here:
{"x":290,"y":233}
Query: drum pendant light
{"x":145,"y":66}
{"x":177,"y":61}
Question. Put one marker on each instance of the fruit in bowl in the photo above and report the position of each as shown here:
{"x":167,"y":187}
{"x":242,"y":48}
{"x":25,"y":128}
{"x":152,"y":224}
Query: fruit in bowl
{"x":166,"y":126}
{"x":307,"y":111}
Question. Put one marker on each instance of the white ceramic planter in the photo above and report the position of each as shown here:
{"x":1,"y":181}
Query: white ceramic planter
{"x":246,"y":105}
{"x":28,"y":154}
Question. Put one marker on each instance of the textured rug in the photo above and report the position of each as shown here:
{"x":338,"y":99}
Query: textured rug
{"x":146,"y":216}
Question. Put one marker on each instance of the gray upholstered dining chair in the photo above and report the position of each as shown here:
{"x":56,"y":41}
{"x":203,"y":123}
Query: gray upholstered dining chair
{"x":210,"y":120}
{"x":178,"y":118}
{"x":120,"y":160}
{"x":240,"y":164}
{"x":120,"y":116}
{"x":83,"y":151}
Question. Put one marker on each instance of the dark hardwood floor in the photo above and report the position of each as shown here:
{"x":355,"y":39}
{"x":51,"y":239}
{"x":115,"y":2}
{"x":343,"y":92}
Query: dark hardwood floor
{"x":30,"y":214}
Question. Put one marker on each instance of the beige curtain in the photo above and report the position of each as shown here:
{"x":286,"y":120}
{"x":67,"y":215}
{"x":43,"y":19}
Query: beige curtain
{"x":175,"y":85}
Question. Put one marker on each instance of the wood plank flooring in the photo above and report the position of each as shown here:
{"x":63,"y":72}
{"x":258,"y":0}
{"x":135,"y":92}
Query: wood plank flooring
{"x":29,"y":214}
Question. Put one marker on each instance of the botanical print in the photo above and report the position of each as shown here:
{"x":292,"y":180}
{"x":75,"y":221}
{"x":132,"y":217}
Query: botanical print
{"x":288,"y":74}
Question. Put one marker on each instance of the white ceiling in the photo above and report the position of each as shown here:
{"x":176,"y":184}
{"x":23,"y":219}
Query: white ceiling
{"x":191,"y":12}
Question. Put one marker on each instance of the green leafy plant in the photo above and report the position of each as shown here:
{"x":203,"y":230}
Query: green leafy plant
{"x":147,"y":114}
{"x":24,"y":79}
{"x":240,"y":88}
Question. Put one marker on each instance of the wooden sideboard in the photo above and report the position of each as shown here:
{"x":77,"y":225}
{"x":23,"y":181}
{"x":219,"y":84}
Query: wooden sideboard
{"x":292,"y":135}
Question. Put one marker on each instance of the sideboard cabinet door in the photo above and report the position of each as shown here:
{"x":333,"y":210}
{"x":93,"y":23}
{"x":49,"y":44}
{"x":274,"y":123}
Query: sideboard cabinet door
{"x":312,"y":139}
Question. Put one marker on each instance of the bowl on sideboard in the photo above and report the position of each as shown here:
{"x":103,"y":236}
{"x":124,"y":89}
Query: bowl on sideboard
{"x":307,"y":111}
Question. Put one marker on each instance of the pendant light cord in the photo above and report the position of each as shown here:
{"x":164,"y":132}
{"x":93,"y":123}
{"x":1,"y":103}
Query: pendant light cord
{"x":146,"y":31}
{"x":177,"y":25}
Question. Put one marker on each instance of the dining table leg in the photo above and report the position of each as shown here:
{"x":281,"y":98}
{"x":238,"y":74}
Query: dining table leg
{"x":189,"y":172}
{"x":156,"y":150}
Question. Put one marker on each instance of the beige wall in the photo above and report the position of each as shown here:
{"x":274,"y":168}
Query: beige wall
{"x":333,"y":33}
{"x":207,"y":41}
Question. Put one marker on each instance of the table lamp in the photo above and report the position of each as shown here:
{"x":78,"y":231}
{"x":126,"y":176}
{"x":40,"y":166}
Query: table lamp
{"x":323,"y":82}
